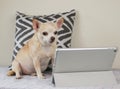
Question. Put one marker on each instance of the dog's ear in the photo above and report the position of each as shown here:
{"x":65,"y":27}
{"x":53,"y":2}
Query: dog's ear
{"x":60,"y":23}
{"x":36,"y":24}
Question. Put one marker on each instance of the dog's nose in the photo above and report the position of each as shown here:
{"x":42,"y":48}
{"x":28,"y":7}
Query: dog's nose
{"x":52,"y":39}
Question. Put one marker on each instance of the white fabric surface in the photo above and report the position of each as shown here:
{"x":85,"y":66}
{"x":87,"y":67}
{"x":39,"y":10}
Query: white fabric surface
{"x":32,"y":82}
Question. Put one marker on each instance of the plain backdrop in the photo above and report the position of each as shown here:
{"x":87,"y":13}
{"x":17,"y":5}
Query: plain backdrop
{"x":97,"y":22}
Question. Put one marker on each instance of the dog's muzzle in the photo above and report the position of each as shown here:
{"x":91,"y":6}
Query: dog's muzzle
{"x":52,"y":39}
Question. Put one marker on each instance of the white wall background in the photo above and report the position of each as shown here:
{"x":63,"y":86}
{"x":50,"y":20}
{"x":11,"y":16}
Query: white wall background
{"x":98,"y":22}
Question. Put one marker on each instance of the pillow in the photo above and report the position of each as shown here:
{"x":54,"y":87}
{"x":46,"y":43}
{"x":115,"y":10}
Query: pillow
{"x":24,"y":30}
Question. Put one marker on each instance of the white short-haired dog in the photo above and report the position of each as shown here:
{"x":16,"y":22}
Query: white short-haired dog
{"x":35,"y":55}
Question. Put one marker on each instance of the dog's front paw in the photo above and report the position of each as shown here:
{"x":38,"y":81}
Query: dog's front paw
{"x":18,"y":77}
{"x":41,"y":77}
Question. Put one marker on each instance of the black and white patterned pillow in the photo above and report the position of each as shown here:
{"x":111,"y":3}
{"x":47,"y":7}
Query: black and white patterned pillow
{"x":24,"y":30}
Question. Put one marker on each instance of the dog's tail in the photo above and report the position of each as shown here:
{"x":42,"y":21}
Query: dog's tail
{"x":10,"y":73}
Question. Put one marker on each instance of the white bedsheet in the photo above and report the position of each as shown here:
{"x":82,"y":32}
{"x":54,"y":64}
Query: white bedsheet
{"x":32,"y":82}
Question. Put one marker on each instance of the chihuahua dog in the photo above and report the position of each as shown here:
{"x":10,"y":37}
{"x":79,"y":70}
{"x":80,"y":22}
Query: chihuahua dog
{"x":35,"y":55}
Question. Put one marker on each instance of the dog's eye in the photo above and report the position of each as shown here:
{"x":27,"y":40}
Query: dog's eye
{"x":55,"y":32}
{"x":45,"y":33}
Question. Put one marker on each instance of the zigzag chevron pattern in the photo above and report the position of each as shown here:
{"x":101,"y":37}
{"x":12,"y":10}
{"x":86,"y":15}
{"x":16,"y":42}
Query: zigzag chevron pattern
{"x":24,"y":30}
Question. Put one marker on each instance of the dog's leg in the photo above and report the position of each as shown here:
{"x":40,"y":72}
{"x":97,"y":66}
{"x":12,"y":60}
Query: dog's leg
{"x":17,"y":69}
{"x":37,"y":66}
{"x":33,"y":74}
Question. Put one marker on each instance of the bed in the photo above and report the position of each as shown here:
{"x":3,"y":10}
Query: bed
{"x":32,"y":82}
